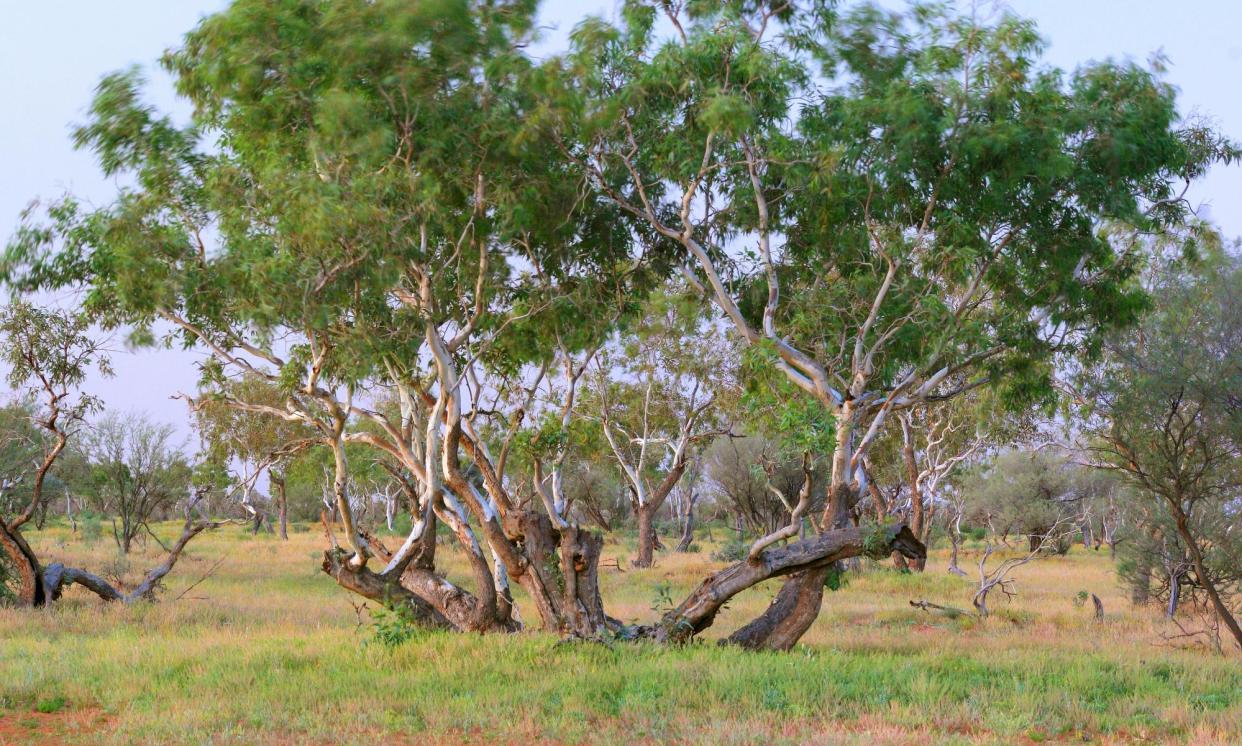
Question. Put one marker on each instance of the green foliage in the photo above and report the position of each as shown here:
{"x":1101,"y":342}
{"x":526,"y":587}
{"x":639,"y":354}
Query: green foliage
{"x":877,"y":540}
{"x":1161,"y":411}
{"x":836,"y":579}
{"x":392,"y":626}
{"x":733,"y":550}
{"x":8,"y":581}
{"x":51,"y":705}
{"x":773,"y":404}
{"x":1020,"y":492}
{"x":92,"y":528}
{"x":662,"y":601}
{"x":926,"y":156}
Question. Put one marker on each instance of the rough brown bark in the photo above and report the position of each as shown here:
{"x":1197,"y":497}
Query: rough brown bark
{"x":797,"y":604}
{"x":646,"y":536}
{"x":788,"y":617}
{"x":582,"y":604}
{"x":808,"y":559}
{"x":916,"y":497}
{"x":282,"y":502}
{"x":369,"y":584}
{"x":23,"y":560}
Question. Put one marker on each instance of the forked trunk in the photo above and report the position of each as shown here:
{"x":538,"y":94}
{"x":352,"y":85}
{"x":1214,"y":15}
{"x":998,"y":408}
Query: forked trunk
{"x":797,"y":604}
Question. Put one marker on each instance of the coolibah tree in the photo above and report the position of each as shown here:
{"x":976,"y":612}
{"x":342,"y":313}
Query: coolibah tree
{"x":259,"y":442}
{"x":919,"y":460}
{"x":1163,"y":412}
{"x":754,"y":477}
{"x":1024,"y":494}
{"x":49,"y":354}
{"x":889,"y":208}
{"x":394,"y":196}
{"x":662,"y":391}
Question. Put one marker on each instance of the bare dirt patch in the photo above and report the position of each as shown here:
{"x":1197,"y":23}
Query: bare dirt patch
{"x":65,"y":726}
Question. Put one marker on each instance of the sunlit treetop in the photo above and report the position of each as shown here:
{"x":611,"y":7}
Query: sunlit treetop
{"x":925,"y":192}
{"x":352,"y":171}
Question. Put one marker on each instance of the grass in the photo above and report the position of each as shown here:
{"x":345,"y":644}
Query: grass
{"x":269,"y":650}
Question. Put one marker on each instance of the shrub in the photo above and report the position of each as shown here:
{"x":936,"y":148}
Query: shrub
{"x":733,"y":550}
{"x":51,"y":705}
{"x":92,"y":529}
{"x":393,"y":626}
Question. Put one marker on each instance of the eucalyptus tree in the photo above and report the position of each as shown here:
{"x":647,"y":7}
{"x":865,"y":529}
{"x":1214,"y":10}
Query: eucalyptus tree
{"x":754,"y":477}
{"x":22,"y":445}
{"x":137,"y":474}
{"x":923,"y":460}
{"x":49,"y":354}
{"x":357,"y":203}
{"x":891,"y":208}
{"x":662,"y":391}
{"x":258,"y":441}
{"x":1024,"y":494}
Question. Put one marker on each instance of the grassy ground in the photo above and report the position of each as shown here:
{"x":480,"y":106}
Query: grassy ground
{"x":269,"y":650}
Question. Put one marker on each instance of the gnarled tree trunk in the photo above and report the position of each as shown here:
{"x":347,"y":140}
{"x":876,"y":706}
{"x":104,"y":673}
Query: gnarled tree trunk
{"x":22,"y":558}
{"x":807,"y":561}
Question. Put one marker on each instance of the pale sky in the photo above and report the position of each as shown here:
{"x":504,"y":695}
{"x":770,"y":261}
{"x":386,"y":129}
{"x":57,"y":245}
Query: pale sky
{"x":53,"y":52}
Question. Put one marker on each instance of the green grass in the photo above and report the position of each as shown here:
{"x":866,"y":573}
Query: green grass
{"x":270,"y":650}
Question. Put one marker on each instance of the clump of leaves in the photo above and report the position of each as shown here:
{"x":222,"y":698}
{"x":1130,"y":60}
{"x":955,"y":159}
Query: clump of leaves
{"x":7,"y":595}
{"x":876,"y":541}
{"x":51,"y":705}
{"x":92,"y":529}
{"x":663,"y":601}
{"x":392,"y":626}
{"x":836,"y":579}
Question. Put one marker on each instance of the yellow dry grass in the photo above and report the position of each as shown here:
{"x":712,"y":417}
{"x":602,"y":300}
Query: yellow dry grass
{"x":269,"y":650}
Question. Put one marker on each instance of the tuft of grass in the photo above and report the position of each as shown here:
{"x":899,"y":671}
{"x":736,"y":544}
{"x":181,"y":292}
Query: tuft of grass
{"x":50,"y":705}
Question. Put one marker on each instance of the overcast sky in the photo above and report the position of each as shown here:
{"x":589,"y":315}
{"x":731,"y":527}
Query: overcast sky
{"x":53,"y":52}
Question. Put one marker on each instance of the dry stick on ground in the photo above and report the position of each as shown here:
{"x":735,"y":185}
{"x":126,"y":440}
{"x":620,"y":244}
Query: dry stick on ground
{"x":210,"y":571}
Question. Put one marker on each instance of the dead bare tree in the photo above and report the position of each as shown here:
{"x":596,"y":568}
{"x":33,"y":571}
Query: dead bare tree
{"x":57,"y":577}
{"x":997,"y":577}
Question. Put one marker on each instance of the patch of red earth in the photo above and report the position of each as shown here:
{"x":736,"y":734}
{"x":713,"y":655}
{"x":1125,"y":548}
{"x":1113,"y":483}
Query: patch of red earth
{"x":66,"y":726}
